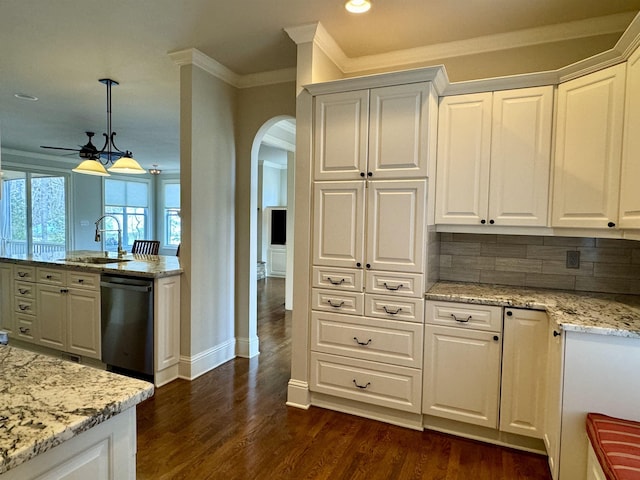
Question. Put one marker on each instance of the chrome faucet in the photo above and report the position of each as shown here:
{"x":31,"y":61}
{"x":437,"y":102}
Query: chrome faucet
{"x":119,"y":229}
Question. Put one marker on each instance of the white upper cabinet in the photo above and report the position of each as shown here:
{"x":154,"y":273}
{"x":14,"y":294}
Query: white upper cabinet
{"x":629,"y":216}
{"x":398,"y":131}
{"x":588,"y":150}
{"x":520,"y":156}
{"x":377,"y":133}
{"x":493,"y":158}
{"x":341,"y":124}
{"x":338,"y":221}
{"x":464,"y":153}
{"x":395,"y":225}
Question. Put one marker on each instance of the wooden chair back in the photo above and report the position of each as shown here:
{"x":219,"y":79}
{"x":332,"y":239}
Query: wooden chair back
{"x":146,"y":247}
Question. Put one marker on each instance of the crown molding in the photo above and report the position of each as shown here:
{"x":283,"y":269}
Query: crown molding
{"x":71,"y":160}
{"x":193,"y":56}
{"x":302,"y":33}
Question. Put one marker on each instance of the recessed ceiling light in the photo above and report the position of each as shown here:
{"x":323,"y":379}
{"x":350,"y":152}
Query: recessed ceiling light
{"x":24,"y":96}
{"x":358,"y":6}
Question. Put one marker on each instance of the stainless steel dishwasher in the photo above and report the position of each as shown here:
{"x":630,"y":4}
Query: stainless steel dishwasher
{"x":127,"y":325}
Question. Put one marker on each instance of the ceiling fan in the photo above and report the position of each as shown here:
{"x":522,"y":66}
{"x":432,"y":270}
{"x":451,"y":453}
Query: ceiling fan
{"x":88,"y":151}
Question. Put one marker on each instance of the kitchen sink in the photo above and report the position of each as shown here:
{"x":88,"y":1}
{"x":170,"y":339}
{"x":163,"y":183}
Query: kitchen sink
{"x":97,"y":260}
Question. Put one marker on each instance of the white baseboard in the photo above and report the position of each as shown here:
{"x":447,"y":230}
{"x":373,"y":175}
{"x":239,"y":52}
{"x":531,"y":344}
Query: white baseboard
{"x":194,"y":366}
{"x":298,"y":394}
{"x":247,"y":347}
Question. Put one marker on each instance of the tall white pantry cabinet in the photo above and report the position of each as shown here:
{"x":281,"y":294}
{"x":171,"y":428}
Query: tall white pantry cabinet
{"x":371,"y":153}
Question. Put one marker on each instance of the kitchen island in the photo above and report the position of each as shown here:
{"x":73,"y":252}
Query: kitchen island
{"x":52,"y":303}
{"x":63,"y":420}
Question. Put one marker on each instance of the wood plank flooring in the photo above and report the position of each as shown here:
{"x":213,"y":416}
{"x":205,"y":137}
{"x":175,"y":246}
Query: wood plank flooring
{"x":232,"y":423}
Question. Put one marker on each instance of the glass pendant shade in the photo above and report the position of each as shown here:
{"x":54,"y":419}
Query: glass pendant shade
{"x":91,"y":167}
{"x":127,"y":165}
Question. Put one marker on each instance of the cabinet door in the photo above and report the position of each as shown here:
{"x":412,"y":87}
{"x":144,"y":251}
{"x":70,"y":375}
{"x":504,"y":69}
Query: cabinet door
{"x":524,"y":352}
{"x":555,"y":367}
{"x":464,"y":149}
{"x":166,"y":300}
{"x":51,"y":316}
{"x":6,"y":295}
{"x":338,"y":219}
{"x":630,"y":170}
{"x":395,"y":225}
{"x":398,"y":131}
{"x":83,"y":322}
{"x":520,"y":156}
{"x":340,"y":135}
{"x":462,"y":375}
{"x":588,"y":150}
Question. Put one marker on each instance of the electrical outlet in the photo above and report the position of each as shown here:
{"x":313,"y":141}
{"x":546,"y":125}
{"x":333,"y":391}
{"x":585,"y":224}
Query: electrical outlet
{"x":573,"y":259}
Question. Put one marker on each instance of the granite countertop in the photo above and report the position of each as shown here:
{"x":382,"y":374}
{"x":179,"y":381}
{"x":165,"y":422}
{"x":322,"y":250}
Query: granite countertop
{"x":45,"y":401}
{"x":600,"y":313}
{"x":153,"y":266}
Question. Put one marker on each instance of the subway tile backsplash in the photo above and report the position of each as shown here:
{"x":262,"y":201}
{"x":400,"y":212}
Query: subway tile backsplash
{"x":606,"y":265}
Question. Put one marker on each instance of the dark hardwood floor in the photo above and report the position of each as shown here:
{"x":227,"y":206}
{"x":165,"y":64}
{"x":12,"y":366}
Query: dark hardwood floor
{"x":232,"y":423}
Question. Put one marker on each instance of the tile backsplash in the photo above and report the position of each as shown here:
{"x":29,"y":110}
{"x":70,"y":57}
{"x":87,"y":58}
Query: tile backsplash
{"x":606,"y":265}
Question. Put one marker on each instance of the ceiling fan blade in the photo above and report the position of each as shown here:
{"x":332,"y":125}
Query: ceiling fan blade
{"x":61,"y":148}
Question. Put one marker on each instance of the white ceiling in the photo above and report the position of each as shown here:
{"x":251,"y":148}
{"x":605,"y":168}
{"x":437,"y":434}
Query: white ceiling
{"x":57,"y":51}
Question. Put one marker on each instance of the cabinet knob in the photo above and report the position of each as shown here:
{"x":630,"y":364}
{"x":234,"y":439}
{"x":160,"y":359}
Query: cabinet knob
{"x":611,"y":224}
{"x":496,"y":338}
{"x":369,"y":174}
{"x":64,"y":290}
{"x":483,"y":221}
{"x":368,"y":265}
{"x":358,"y":264}
{"x":509,"y":313}
{"x":556,"y":333}
{"x":81,"y":280}
{"x":362,"y":174}
{"x":491,"y":222}
{"x":48,"y":277}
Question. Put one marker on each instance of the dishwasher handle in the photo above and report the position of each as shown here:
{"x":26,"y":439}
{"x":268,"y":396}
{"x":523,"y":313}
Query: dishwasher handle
{"x":124,"y":286}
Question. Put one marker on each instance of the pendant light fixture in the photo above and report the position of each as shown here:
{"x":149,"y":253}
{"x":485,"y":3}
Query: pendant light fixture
{"x":122,"y":161}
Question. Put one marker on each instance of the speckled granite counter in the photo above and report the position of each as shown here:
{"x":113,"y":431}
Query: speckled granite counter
{"x":154,"y":266}
{"x":45,"y":401}
{"x":603,"y":314}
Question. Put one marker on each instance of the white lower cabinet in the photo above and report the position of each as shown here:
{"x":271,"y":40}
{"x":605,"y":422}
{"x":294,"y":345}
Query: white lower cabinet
{"x":7,"y":323}
{"x":462,"y":375}
{"x":524,"y":359}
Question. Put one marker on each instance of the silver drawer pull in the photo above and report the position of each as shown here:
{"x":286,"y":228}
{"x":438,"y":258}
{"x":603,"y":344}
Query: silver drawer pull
{"x":25,"y":331}
{"x":23,"y":274}
{"x":362,"y":343}
{"x":333,"y":282}
{"x":23,"y":307}
{"x":361,"y":386}
{"x":393,"y":289}
{"x":334,"y":305}
{"x":23,"y":291}
{"x":460,"y":319}
{"x":391,"y":312}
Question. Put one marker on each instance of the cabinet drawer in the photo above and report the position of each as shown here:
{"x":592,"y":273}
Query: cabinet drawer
{"x":334,"y":301}
{"x":394,"y":308}
{"x":51,"y":276}
{"x":466,"y":315}
{"x":24,"y":289}
{"x":24,"y":273}
{"x":396,"y":343}
{"x":392,"y":283}
{"x":90,"y":281}
{"x":25,"y":328}
{"x":368,"y":382}
{"x":25,"y":305}
{"x":337,"y":278}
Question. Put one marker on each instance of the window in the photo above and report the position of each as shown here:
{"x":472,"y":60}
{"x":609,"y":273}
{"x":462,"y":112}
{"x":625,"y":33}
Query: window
{"x":33,"y":213}
{"x":172,"y":224}
{"x":128,"y":201}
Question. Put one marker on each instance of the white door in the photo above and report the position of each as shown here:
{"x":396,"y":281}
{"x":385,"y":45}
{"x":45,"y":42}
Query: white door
{"x":555,"y":368}
{"x":520,"y":156}
{"x":464,"y":150}
{"x":524,"y":354}
{"x":398,"y":131}
{"x":340,"y":138}
{"x":462,"y":375}
{"x":338,"y":220}
{"x":588,"y":150}
{"x":395,"y":225}
{"x":630,"y":171}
